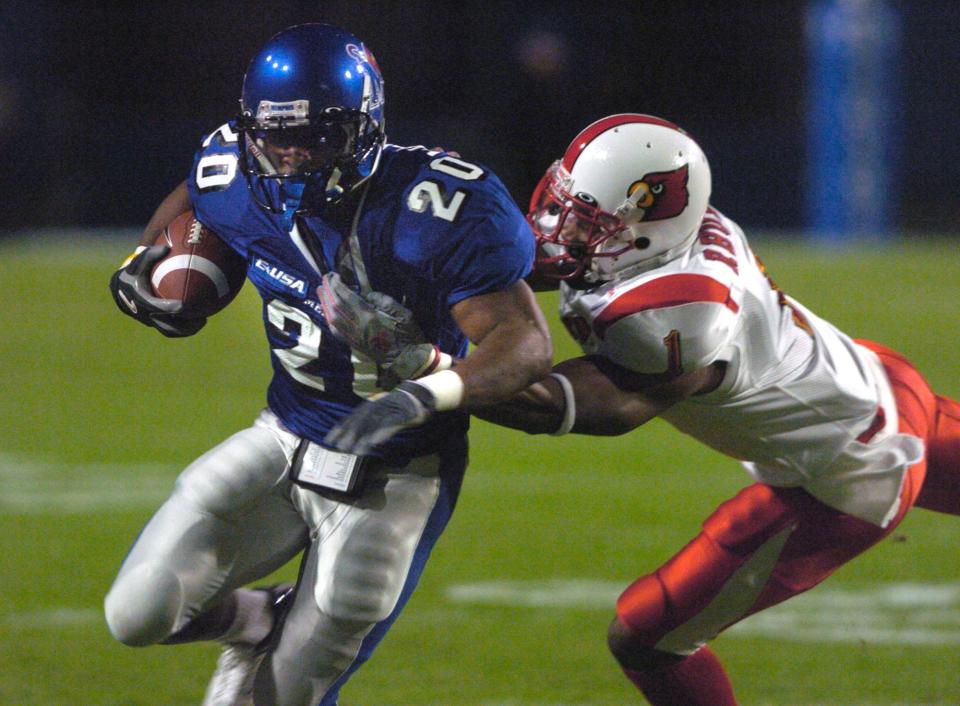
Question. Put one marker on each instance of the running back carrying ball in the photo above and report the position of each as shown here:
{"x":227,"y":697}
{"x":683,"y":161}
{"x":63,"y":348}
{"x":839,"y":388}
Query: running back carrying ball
{"x":200,"y":270}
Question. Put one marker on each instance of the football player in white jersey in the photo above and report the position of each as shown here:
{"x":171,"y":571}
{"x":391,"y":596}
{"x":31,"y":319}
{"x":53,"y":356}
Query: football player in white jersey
{"x":678,"y":319}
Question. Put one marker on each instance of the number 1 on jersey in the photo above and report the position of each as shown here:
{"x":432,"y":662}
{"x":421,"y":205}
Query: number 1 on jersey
{"x":674,"y":353}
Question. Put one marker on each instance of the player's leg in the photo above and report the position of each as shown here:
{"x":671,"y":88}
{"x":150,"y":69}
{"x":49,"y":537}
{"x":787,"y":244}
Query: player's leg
{"x":228,"y":521}
{"x":941,"y":489}
{"x":363,"y":563}
{"x":758,"y":549}
{"x":698,"y":591}
{"x":935,"y":419}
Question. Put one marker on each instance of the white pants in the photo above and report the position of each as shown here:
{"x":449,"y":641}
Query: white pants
{"x":235,"y":517}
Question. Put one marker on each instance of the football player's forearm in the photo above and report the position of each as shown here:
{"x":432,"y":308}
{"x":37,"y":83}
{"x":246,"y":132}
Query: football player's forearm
{"x":603,"y":406}
{"x":176,"y":202}
{"x":512,"y":347}
{"x":575,"y":398}
{"x":514,"y":355}
{"x":612,"y":400}
{"x":537,"y":410}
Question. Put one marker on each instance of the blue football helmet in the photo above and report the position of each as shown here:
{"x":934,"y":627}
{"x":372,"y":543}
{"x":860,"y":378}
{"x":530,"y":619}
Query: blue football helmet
{"x":311,"y":124}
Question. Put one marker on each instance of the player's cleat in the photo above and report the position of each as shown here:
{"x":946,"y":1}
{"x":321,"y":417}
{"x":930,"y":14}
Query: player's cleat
{"x":232,"y":680}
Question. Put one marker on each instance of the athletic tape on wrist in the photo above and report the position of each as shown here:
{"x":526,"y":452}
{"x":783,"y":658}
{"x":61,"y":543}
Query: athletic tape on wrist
{"x":569,"y":405}
{"x":447,"y":389}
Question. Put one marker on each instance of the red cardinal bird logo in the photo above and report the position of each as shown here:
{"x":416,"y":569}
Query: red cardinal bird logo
{"x":661,"y":194}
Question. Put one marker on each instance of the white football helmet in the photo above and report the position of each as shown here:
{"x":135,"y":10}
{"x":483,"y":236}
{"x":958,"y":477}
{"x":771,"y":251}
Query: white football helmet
{"x":630,"y":189}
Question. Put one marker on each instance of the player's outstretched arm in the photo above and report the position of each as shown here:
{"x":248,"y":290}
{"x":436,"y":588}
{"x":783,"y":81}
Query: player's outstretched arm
{"x":512,"y":350}
{"x":592,"y":395}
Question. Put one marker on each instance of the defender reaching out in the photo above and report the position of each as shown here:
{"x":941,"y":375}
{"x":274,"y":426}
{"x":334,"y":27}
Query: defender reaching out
{"x":678,"y":319}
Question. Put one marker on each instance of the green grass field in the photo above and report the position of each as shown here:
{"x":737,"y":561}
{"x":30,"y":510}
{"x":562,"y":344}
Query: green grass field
{"x":99,"y":414}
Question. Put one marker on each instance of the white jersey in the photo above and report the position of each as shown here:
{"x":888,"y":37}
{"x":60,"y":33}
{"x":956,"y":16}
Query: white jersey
{"x":801,"y":404}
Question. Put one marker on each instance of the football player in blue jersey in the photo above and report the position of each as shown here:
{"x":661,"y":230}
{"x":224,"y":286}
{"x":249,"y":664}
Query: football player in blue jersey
{"x":304,"y":186}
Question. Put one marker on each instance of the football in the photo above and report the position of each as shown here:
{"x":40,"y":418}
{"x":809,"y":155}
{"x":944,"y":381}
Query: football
{"x":200,"y":270}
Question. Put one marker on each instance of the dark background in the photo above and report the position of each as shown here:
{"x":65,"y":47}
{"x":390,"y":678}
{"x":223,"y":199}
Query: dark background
{"x":102,"y":106}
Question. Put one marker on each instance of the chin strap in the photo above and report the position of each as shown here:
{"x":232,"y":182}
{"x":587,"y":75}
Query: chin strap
{"x":333,"y":191}
{"x":353,"y":241}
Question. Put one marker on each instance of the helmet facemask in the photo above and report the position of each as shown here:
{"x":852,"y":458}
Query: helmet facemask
{"x":572,"y":230}
{"x":313,"y":160}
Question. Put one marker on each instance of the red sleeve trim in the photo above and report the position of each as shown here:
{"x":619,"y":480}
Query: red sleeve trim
{"x":671,"y":290}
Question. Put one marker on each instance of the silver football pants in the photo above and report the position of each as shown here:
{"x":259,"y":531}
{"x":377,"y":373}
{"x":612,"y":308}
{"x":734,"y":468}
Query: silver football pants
{"x":235,"y":517}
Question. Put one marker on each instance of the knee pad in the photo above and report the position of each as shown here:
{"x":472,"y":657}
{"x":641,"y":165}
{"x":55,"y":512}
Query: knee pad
{"x":361,"y":580}
{"x":143,"y":605}
{"x":747,"y":521}
{"x":634,"y":653}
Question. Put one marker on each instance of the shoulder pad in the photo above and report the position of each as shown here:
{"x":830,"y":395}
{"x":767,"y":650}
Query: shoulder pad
{"x":459,"y":226}
{"x":684,"y":320}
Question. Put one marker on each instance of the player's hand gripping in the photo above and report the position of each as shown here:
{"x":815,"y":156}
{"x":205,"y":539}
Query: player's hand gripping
{"x":409,"y":404}
{"x":131,"y":289}
{"x":380,"y":328}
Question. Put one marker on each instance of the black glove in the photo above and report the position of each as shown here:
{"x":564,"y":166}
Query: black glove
{"x":133,"y":293}
{"x":409,"y":404}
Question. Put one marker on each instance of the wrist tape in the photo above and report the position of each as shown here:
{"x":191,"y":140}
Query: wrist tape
{"x":446,"y":387}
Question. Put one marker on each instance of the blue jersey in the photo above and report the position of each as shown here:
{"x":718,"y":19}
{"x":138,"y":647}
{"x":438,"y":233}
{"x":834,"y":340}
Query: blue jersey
{"x":433,"y":230}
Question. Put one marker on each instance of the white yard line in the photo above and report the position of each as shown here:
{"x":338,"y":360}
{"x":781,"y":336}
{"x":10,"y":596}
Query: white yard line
{"x":912,"y":614}
{"x":52,"y":618}
{"x":895,"y":614}
{"x":36,"y":487}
